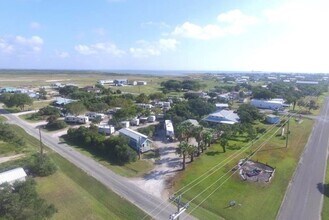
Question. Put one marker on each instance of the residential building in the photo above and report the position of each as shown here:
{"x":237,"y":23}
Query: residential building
{"x":62,"y":101}
{"x":273,"y":104}
{"x":106,"y":129}
{"x":223,"y":117}
{"x":141,"y":83}
{"x":81,"y":119}
{"x":120,"y":82}
{"x":137,"y":141}
{"x":220,"y":106}
{"x":10,"y":176}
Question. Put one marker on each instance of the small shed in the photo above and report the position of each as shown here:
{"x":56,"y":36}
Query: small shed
{"x":10,"y":176}
{"x":272,"y":119}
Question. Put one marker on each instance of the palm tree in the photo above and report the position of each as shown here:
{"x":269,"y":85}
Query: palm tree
{"x":198,"y":135}
{"x":182,"y":150}
{"x":223,"y":142}
{"x":207,"y":138}
{"x":184,"y":131}
{"x":191,"y":150}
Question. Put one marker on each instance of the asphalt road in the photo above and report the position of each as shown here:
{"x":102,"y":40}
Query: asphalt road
{"x":118,"y":184}
{"x":303,"y":199}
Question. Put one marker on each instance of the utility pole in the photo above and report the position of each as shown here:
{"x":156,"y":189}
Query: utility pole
{"x":181,"y":207}
{"x":41,"y":145}
{"x":288,"y":131}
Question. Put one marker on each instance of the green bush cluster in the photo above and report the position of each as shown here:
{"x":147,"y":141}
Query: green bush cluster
{"x":115,"y":148}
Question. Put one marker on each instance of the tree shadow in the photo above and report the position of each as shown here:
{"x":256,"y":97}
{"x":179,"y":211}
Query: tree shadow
{"x":213,"y":153}
{"x":323,"y":188}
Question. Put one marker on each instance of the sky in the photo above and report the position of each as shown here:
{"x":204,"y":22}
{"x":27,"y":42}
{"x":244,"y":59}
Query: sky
{"x":221,"y":35}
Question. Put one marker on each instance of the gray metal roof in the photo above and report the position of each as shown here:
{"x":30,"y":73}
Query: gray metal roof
{"x":133,"y":135}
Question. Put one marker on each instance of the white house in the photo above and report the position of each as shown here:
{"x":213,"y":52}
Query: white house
{"x":10,"y":176}
{"x":273,"y":104}
{"x":142,"y":83}
{"x":223,"y":117}
{"x":137,"y":141}
{"x":106,"y":129}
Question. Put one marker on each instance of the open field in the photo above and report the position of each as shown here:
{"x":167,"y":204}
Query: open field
{"x":79,"y":196}
{"x":254,"y":200}
{"x":75,"y":194}
{"x":325,"y":208}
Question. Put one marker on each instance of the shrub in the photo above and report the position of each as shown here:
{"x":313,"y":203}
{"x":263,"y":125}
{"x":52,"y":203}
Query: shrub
{"x":41,"y":165}
{"x":56,"y":125}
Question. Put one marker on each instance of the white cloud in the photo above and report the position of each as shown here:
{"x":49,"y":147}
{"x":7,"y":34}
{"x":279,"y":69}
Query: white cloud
{"x":301,"y":45}
{"x":231,"y":22}
{"x":99,"y":48}
{"x":147,"y":49}
{"x":35,"y":25}
{"x":161,"y":25}
{"x":21,"y":45}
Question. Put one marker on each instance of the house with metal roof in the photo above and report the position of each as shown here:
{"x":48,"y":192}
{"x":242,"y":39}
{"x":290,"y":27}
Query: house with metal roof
{"x":62,"y":101}
{"x":137,"y":141}
{"x":10,"y":176}
{"x":223,"y":117}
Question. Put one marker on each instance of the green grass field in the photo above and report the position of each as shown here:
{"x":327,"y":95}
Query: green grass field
{"x":254,"y":200}
{"x":325,"y":208}
{"x":79,"y":196}
{"x":2,"y":118}
{"x":75,"y":194}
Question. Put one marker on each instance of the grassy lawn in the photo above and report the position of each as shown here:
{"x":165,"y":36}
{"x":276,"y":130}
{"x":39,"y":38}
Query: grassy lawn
{"x":133,"y":169}
{"x":79,"y":196}
{"x":325,"y":208}
{"x":254,"y":200}
{"x":29,"y":117}
{"x":2,"y":118}
{"x":30,"y":143}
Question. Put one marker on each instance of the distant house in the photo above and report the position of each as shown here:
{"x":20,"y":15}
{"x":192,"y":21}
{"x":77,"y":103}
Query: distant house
{"x":272,"y":119}
{"x":223,"y":117}
{"x":141,"y":83}
{"x":8,"y":90}
{"x":62,"y":101}
{"x":10,"y":176}
{"x":105,"y":81}
{"x":94,"y":116}
{"x":273,"y":104}
{"x":91,"y":89}
{"x":307,"y":82}
{"x":137,"y":141}
{"x":220,"y":106}
{"x":120,"y":82}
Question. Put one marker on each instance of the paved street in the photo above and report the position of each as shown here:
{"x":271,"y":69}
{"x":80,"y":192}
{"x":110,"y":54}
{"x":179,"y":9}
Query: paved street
{"x":118,"y":184}
{"x":303,"y":199}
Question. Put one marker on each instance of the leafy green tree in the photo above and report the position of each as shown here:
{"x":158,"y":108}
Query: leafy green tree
{"x":17,"y":100}
{"x":21,"y":201}
{"x":55,"y":124}
{"x":142,"y":98}
{"x":68,"y":90}
{"x":207,"y":137}
{"x":198,"y":135}
{"x":248,"y":113}
{"x":262,"y":93}
{"x":76,"y":108}
{"x":42,"y":93}
{"x":157,"y":96}
{"x":48,"y":110}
